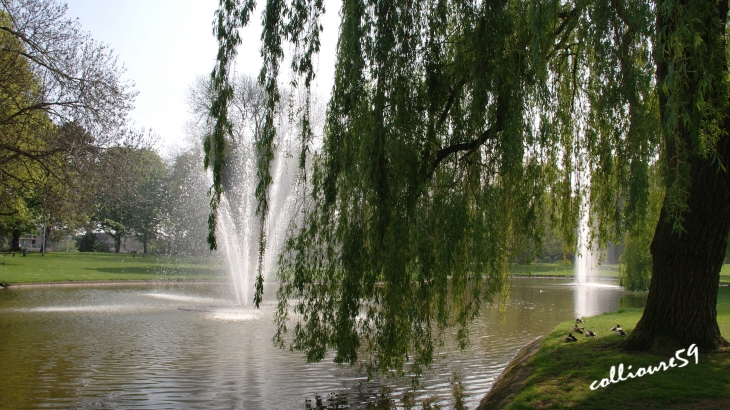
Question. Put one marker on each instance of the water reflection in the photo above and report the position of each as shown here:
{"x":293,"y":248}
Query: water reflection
{"x":187,"y":346}
{"x":594,"y":298}
{"x":386,"y":401}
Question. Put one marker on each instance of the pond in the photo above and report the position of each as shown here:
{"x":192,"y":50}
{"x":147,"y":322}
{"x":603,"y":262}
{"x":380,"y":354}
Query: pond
{"x":187,"y":346}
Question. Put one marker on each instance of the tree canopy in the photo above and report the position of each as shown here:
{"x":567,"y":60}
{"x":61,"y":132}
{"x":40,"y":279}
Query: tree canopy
{"x":454,"y":129}
{"x":62,"y":102}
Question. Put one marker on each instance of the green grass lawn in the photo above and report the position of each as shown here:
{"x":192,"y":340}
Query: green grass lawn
{"x":725,"y":273}
{"x":560,"y":269}
{"x":77,"y":266}
{"x":566,"y":269}
{"x":562,"y":372}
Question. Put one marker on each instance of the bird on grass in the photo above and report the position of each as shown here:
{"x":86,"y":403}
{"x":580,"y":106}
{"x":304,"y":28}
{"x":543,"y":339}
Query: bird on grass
{"x":571,"y":338}
{"x":621,"y":332}
{"x":579,"y":320}
{"x":616,"y":328}
{"x":590,"y":333}
{"x":578,"y":329}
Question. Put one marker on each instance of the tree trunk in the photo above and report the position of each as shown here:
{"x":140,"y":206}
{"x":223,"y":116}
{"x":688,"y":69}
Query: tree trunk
{"x":15,"y":246}
{"x":43,"y":238}
{"x":119,"y":244}
{"x":682,"y":305}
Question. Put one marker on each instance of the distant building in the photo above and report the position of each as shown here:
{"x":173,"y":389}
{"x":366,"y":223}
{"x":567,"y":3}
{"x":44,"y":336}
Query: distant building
{"x":31,"y":242}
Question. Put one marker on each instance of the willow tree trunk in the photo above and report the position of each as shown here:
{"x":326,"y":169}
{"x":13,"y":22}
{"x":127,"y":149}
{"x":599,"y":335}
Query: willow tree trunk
{"x":681,"y":308}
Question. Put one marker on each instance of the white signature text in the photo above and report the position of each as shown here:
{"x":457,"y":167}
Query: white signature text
{"x":618,"y":376}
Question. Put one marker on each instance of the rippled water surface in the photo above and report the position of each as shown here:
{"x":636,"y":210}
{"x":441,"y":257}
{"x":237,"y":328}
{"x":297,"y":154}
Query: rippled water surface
{"x":187,"y":346}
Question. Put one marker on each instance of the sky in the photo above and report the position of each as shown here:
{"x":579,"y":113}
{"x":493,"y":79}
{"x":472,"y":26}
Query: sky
{"x":165,"y":44}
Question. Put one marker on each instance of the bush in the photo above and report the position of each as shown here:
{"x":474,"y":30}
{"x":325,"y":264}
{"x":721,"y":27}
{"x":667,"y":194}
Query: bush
{"x":89,"y":243}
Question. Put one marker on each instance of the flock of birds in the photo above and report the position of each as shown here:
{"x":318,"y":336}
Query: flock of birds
{"x":590,"y":333}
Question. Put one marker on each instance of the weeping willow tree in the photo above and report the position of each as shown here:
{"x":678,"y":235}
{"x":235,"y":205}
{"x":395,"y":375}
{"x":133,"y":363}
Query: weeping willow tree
{"x":455,"y":129}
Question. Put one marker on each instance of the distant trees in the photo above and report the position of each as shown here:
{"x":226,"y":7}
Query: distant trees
{"x":62,"y":103}
{"x":147,"y":210}
{"x":131,"y":194}
{"x":185,"y":220}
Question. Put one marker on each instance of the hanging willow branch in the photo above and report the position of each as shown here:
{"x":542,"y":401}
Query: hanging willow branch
{"x":298,"y":22}
{"x":398,"y":236}
{"x":230,"y":16}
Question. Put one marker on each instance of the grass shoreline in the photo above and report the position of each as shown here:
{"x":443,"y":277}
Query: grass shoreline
{"x":78,"y":266}
{"x":558,"y":375}
{"x":57,"y":267}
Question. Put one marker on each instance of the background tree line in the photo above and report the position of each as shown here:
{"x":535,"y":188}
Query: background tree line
{"x":69,"y":160}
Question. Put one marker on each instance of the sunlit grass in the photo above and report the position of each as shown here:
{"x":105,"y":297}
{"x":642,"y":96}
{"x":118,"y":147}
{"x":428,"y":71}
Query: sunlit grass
{"x":560,"y":269}
{"x":77,"y":266}
{"x":566,"y":269}
{"x":725,"y":273}
{"x":563,"y":372}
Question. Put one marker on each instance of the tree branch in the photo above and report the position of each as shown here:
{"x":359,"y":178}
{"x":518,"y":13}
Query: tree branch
{"x":449,"y":103}
{"x":464,"y":146}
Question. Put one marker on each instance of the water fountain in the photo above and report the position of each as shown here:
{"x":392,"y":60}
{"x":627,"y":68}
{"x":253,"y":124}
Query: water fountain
{"x":587,"y":284}
{"x":238,"y":230}
{"x":586,"y":260}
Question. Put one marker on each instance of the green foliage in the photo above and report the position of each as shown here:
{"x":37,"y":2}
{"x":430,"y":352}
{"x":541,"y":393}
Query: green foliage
{"x":131,"y":193}
{"x":147,"y":210}
{"x":636,"y":261}
{"x":635,"y":268}
{"x":454,"y":131}
{"x":693,"y":89}
{"x":61,"y":103}
{"x":185,"y":221}
{"x":23,"y":142}
{"x":230,"y":15}
{"x":88,"y":243}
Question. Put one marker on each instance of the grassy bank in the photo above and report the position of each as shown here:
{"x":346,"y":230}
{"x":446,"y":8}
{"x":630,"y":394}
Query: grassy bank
{"x":560,"y":269}
{"x":77,"y":266}
{"x":561,"y":373}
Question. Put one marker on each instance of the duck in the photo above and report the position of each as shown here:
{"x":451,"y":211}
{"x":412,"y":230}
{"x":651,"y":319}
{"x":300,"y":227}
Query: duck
{"x":590,"y":333}
{"x":621,"y":332}
{"x":616,"y":328}
{"x":578,"y":329}
{"x":579,"y":320}
{"x":571,"y":338}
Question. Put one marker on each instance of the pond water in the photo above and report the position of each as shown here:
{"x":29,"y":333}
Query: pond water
{"x":187,"y":346}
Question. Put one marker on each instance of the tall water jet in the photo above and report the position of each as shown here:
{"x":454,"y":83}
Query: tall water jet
{"x":587,"y":258}
{"x":234,"y":246}
{"x":239,"y":227}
